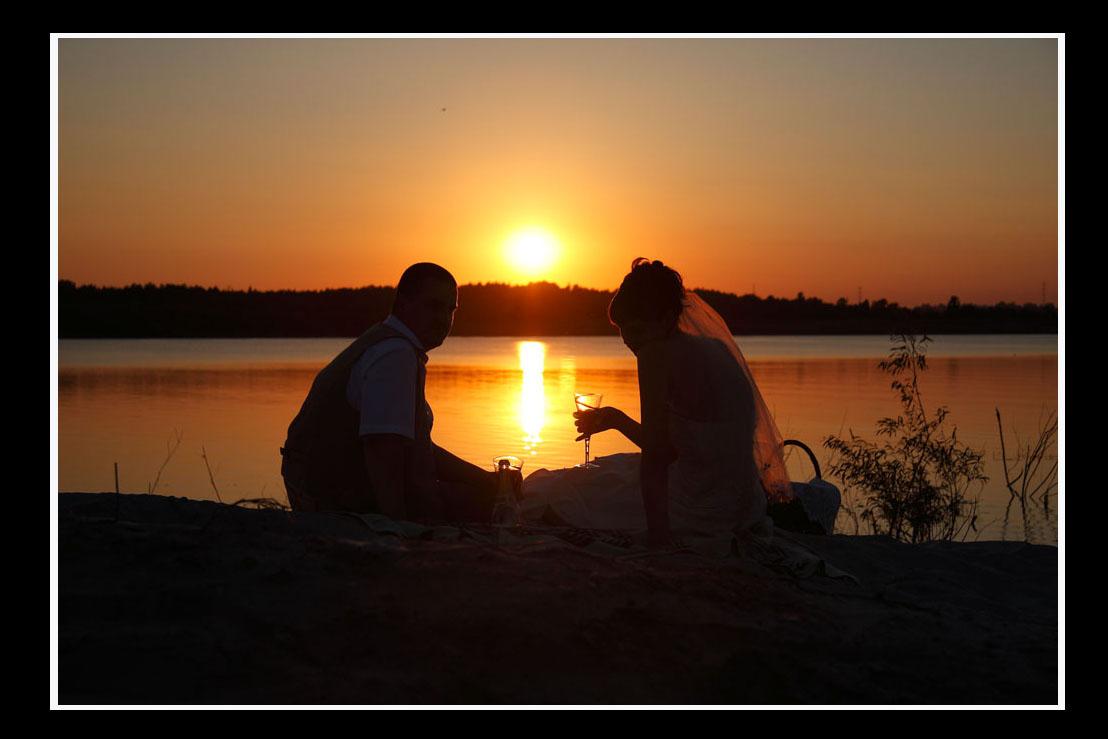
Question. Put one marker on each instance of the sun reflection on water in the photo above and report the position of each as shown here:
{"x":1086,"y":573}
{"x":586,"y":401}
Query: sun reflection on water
{"x":532,"y":398}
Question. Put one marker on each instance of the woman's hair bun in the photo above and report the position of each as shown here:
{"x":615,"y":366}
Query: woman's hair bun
{"x":650,"y":291}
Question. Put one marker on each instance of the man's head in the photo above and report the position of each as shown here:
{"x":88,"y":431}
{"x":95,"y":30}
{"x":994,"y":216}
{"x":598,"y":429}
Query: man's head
{"x":426,"y":298}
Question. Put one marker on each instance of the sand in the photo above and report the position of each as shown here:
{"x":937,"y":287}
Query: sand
{"x":174,"y":601}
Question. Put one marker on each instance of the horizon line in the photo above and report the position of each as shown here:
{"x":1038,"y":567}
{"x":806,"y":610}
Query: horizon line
{"x":566,"y":286}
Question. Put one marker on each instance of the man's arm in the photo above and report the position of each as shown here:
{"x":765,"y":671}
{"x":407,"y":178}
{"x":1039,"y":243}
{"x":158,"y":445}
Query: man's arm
{"x":451,"y":468}
{"x":385,"y":458}
{"x":384,"y":392}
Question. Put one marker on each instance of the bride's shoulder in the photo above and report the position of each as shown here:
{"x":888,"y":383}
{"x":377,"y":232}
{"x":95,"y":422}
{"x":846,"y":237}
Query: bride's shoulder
{"x":678,"y":353}
{"x":684,"y":348}
{"x":668,"y":353}
{"x":655,"y":353}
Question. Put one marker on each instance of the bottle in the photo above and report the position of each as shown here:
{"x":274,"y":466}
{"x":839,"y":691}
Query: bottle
{"x":505,"y":511}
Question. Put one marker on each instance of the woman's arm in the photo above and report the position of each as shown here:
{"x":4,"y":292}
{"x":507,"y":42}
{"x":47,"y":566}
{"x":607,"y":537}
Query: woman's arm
{"x":654,"y":479}
{"x":601,"y":419}
{"x":653,"y":433}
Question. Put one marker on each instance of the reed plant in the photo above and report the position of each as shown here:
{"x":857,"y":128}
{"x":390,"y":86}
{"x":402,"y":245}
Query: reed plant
{"x":1031,"y":478}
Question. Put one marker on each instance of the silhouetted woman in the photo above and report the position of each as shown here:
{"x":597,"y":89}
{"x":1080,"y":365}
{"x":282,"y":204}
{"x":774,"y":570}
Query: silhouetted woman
{"x":710,"y":449}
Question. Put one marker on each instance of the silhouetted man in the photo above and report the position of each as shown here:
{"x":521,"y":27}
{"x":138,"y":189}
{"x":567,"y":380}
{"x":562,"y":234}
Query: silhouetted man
{"x":362,"y":439}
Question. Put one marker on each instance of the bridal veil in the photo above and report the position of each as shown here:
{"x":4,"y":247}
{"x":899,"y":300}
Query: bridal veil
{"x":698,"y":319}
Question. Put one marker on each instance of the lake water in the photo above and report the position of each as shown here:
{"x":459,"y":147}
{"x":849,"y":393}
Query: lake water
{"x":231,"y":400}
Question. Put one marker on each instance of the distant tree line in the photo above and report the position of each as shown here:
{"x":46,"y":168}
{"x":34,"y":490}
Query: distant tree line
{"x":492,"y":309}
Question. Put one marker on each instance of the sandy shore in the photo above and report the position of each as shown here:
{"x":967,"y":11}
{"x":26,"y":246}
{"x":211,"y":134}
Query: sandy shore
{"x":172,"y":601}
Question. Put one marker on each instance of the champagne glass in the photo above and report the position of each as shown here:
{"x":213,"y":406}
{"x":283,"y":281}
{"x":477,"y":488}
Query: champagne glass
{"x":587,"y":402}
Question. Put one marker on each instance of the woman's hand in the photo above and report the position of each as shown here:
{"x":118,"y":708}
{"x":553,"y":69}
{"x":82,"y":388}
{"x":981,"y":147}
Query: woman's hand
{"x":600,"y":419}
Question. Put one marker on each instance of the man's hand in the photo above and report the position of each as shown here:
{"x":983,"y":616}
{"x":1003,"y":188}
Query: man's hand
{"x":452,"y":468}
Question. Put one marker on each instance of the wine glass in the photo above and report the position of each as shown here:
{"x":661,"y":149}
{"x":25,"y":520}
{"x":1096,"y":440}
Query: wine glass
{"x":587,"y":402}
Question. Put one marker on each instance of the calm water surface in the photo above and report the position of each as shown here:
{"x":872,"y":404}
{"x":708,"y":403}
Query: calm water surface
{"x":128,"y":401}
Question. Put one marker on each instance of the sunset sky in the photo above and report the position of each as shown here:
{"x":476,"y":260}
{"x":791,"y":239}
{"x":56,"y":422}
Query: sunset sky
{"x":912,"y":169}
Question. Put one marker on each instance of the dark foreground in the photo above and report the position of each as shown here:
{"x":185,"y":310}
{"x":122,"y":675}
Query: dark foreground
{"x":178,"y":601}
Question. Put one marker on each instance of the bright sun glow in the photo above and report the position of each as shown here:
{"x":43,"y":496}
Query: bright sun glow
{"x":532,"y":250}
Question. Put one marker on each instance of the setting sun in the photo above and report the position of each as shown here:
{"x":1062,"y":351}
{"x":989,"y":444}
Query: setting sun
{"x":531,"y":251}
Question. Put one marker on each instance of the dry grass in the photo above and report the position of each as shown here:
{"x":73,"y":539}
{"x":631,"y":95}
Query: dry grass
{"x":211,"y":476}
{"x":171,"y":448}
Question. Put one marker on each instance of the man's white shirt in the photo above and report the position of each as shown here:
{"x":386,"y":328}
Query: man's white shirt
{"x":382,"y":386}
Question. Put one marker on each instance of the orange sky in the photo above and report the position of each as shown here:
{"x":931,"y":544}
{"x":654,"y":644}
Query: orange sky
{"x":912,"y":169}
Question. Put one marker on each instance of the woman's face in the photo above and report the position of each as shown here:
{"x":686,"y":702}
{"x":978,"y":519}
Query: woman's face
{"x":638,"y":333}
